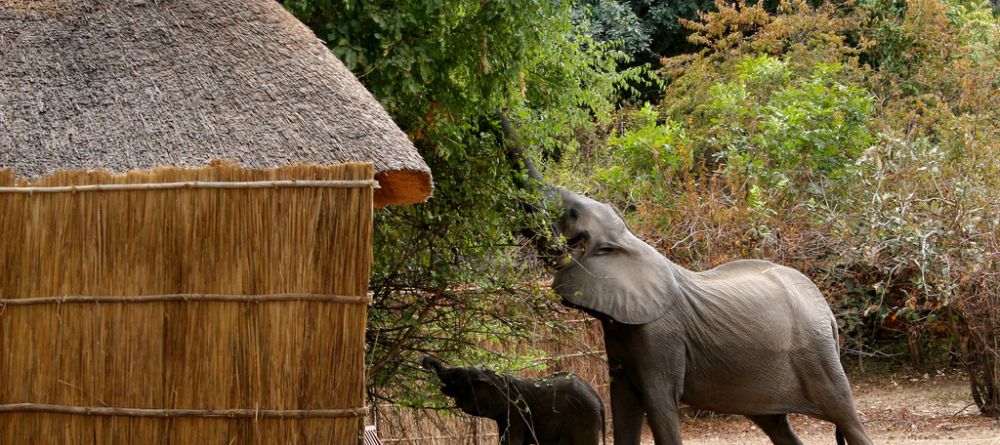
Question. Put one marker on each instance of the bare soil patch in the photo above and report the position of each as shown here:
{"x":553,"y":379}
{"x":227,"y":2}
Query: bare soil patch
{"x":899,"y":408}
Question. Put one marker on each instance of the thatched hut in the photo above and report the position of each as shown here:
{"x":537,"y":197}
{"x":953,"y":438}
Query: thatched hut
{"x":151,"y":293}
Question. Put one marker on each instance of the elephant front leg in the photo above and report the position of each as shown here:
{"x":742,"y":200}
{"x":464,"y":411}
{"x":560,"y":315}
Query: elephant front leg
{"x":512,"y":433}
{"x":661,"y":396}
{"x":665,"y":422}
{"x":626,"y":411}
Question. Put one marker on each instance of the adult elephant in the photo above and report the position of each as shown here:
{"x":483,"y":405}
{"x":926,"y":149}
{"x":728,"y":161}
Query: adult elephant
{"x":748,"y":337}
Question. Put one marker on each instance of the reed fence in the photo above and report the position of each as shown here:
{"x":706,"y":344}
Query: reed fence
{"x":189,"y":306}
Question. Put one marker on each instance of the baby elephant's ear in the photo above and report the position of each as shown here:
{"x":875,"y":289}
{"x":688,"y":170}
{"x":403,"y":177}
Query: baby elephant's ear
{"x":472,"y":374}
{"x":483,"y":375}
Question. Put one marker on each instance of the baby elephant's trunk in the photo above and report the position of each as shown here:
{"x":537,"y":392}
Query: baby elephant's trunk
{"x":432,"y":364}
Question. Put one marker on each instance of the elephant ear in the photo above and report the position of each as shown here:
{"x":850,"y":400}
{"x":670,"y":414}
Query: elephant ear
{"x":632,"y":285}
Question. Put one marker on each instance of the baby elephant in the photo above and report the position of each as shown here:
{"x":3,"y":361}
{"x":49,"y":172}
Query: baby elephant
{"x":560,"y":409}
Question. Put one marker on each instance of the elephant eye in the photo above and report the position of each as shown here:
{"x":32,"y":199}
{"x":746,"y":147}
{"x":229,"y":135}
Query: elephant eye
{"x":605,"y":249}
{"x":573,"y":213}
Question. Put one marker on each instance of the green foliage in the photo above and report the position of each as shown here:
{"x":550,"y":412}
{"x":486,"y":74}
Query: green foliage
{"x":887,"y":43}
{"x":915,"y":43}
{"x":663,"y":21}
{"x":779,"y":131}
{"x":431,"y":61}
{"x":646,"y":153}
{"x":613,"y":22}
{"x":449,"y":276}
{"x":977,"y":24}
{"x":641,"y":27}
{"x":779,"y":128}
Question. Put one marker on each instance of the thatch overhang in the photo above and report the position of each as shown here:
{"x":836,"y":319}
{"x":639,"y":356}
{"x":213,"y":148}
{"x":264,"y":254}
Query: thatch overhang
{"x":121,"y":85}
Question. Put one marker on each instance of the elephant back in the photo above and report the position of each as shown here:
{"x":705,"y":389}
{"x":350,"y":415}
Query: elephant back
{"x":574,"y":392}
{"x":754,"y":298}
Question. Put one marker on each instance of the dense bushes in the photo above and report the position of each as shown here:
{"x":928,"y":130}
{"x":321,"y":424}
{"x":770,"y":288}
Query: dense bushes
{"x":858,"y":142}
{"x":932,"y":187}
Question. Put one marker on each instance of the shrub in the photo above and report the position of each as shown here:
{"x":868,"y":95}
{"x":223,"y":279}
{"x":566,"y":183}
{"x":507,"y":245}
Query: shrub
{"x":645,"y":154}
{"x":784,"y":131}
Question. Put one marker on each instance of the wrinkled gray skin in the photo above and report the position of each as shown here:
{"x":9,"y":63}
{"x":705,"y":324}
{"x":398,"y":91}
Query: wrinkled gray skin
{"x":748,"y":337}
{"x":560,"y":409}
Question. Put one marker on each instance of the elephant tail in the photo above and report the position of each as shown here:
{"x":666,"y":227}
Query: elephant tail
{"x":604,"y":426}
{"x":840,"y":437}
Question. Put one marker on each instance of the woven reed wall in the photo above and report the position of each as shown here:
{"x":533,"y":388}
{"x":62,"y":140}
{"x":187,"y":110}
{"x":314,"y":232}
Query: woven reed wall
{"x":283,"y":363}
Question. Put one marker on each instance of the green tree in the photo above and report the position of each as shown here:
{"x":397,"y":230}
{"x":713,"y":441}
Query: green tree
{"x":449,"y":276}
{"x":663,"y":19}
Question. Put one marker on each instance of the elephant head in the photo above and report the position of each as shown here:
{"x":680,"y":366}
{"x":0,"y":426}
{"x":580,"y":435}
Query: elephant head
{"x":608,"y":270}
{"x":477,"y":391}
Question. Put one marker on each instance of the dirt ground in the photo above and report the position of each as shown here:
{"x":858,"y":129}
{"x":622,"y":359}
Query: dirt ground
{"x":899,"y":408}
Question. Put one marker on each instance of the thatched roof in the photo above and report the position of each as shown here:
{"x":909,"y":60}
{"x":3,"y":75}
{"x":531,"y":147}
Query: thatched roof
{"x":124,"y":85}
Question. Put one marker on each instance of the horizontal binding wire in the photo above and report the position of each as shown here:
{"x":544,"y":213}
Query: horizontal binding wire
{"x":173,"y":412}
{"x":341,"y":183}
{"x":349,"y":299}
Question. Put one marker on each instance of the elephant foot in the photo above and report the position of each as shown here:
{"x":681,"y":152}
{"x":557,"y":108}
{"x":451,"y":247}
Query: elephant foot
{"x":854,"y":433}
{"x":777,"y":429}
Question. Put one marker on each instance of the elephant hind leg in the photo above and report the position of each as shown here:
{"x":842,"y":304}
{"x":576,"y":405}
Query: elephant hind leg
{"x":839,"y":409}
{"x":777,"y":429}
{"x":584,"y":434}
{"x":852,"y":430}
{"x":848,"y":424}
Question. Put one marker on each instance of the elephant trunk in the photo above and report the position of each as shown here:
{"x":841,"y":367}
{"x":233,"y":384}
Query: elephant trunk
{"x":541,"y":238}
{"x":515,"y":151}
